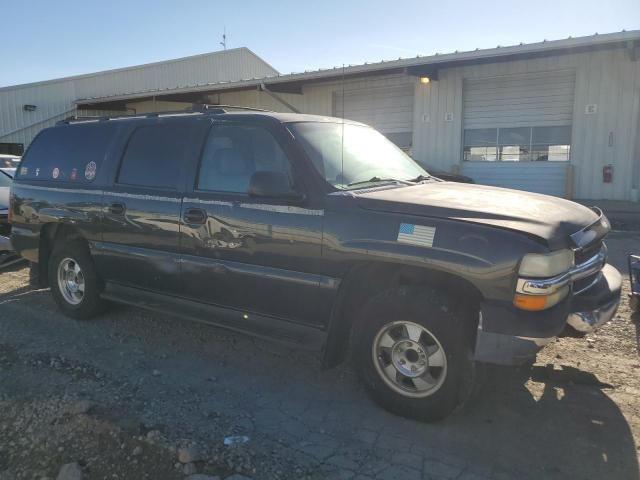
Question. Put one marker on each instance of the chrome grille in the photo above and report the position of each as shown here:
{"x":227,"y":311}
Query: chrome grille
{"x":584,"y":255}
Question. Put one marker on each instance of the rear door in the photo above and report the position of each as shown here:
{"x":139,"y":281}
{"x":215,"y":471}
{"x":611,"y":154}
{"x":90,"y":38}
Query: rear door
{"x":250,"y":254}
{"x":141,"y":222}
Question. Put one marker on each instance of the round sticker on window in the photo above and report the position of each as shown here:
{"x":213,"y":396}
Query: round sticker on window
{"x":55,"y":173}
{"x":90,"y":171}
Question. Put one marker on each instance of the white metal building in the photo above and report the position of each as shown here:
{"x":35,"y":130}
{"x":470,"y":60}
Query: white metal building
{"x":27,"y":109}
{"x":559,"y":117}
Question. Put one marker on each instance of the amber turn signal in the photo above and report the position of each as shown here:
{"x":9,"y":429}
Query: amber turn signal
{"x":530,"y":302}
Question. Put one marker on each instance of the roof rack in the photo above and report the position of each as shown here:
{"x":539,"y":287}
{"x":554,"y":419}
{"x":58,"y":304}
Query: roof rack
{"x":225,"y":108}
{"x":196,"y":109}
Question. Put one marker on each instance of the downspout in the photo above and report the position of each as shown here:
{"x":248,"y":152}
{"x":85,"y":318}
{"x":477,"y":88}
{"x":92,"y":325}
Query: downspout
{"x":39,"y":122}
{"x":263,"y":88}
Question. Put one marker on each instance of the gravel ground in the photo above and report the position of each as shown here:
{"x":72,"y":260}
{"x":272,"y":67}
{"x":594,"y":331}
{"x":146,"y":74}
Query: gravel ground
{"x":134,"y":395}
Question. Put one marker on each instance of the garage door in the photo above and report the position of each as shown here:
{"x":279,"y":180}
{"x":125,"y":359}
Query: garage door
{"x":523,"y":120}
{"x":388,"y":109}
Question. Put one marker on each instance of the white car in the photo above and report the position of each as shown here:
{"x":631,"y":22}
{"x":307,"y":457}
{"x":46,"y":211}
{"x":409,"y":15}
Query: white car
{"x":6,"y":178}
{"x":9,"y":161}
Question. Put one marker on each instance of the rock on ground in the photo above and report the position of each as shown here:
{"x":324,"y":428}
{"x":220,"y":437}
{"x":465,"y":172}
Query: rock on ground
{"x":70,"y":471}
{"x":189,"y":454}
{"x":82,"y":406}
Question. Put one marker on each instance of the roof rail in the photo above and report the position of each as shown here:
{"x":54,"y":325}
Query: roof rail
{"x":79,"y":119}
{"x":197,"y":109}
{"x":206,"y":107}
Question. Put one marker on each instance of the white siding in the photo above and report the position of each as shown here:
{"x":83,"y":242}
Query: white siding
{"x":317,"y":98}
{"x":149,"y":106}
{"x":607,"y":78}
{"x":389,"y":109}
{"x":539,"y":177}
{"x":229,"y":65}
{"x":55,"y":99}
{"x":529,"y":99}
{"x":247,"y":98}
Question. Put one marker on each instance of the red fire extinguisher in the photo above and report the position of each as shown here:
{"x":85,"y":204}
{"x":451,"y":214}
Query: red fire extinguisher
{"x":607,"y":173}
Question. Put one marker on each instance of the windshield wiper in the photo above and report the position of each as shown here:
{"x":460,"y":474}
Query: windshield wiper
{"x":377,"y":180}
{"x":421,"y":178}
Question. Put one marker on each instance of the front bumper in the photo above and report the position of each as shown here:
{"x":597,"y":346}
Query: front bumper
{"x":5,"y":227}
{"x":585,"y":322}
{"x":5,"y":244}
{"x":584,"y":311}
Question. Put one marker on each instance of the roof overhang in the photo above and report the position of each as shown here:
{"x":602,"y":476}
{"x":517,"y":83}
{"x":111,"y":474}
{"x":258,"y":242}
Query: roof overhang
{"x":418,"y":66}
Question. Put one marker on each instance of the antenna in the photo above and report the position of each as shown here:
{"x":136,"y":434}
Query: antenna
{"x":342,"y":136}
{"x":224,"y":38}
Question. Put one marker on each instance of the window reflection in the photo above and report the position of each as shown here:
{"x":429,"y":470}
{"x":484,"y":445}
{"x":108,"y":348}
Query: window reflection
{"x":518,"y":144}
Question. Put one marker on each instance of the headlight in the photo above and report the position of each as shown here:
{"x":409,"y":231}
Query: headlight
{"x":542,"y":265}
{"x":545,"y":292}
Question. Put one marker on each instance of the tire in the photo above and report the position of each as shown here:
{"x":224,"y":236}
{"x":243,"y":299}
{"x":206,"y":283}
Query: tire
{"x":634,"y":303}
{"x":34,"y":275}
{"x":396,"y":323}
{"x":75,"y":257}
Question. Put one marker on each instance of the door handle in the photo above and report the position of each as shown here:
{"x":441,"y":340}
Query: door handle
{"x":195,"y":216}
{"x":117,"y":208}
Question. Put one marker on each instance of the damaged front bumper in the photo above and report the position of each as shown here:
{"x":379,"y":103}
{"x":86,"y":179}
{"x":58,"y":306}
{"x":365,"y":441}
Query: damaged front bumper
{"x":584,"y":312}
{"x":5,"y":244}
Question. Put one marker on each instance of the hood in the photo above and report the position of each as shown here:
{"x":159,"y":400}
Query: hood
{"x":549,"y":218}
{"x":4,"y":197}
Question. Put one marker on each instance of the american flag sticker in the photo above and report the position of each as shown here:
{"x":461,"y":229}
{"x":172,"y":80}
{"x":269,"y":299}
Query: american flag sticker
{"x":416,"y":234}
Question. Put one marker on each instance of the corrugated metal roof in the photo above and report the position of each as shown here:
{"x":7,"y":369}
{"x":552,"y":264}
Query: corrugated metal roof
{"x":435,"y":59}
{"x":199,"y":59}
{"x":56,"y":98}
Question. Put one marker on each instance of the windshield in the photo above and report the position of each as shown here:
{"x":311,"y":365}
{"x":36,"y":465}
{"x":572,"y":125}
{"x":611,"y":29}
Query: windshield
{"x":364,"y":157}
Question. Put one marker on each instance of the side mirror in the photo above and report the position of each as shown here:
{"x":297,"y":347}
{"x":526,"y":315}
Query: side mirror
{"x":272,"y":185}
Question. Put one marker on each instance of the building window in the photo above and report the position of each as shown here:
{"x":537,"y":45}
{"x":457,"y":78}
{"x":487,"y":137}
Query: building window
{"x":517,"y":144}
{"x":12,"y":148}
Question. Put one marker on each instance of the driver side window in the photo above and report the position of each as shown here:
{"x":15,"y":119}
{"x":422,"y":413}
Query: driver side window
{"x":233,"y":153}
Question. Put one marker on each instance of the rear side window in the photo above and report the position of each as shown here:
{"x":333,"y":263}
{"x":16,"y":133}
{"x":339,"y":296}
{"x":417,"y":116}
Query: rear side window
{"x":69,"y":153}
{"x":155,"y":155}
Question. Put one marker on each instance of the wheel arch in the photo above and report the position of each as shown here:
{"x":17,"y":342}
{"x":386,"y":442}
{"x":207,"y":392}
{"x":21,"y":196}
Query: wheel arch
{"x":366,"y":280}
{"x":50,"y":234}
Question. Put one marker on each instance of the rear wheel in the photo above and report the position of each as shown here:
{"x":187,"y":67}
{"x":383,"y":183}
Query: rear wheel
{"x":414,"y":353}
{"x":74,"y":284}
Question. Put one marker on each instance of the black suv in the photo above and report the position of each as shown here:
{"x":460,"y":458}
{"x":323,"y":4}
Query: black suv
{"x":311,"y":230}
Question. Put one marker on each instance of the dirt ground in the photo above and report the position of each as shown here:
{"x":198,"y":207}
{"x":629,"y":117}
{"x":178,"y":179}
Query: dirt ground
{"x":134,"y":395}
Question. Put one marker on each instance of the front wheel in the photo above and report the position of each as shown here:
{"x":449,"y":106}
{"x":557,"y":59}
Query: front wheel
{"x":414,"y":353}
{"x":74,"y":283}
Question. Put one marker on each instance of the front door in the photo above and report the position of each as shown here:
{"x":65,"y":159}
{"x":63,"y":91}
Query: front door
{"x":251,"y":254}
{"x":141,"y":218}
